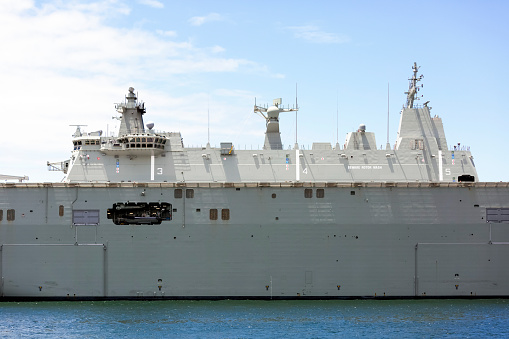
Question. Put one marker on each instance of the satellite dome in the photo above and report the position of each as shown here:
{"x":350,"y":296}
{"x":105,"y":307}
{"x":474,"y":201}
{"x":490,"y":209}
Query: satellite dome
{"x":150,"y":125}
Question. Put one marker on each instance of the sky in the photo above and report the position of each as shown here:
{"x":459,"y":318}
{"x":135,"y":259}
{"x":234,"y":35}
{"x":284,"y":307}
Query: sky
{"x":65,"y":63}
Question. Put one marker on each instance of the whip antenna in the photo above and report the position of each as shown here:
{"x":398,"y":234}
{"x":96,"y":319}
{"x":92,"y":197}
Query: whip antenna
{"x":296,"y":112}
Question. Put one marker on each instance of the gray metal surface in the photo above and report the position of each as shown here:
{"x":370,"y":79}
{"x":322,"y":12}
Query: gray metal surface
{"x":141,"y":216}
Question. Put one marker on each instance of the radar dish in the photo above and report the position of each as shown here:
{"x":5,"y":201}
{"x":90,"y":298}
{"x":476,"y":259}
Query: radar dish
{"x":150,"y":125}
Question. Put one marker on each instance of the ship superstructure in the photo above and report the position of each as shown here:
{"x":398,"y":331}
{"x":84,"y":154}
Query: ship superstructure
{"x":140,"y":216}
{"x":139,"y":154}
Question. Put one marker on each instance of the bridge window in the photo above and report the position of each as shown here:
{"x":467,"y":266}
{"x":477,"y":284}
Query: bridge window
{"x":320,"y":193}
{"x":308,"y":193}
{"x":178,"y":193}
{"x":190,"y":193}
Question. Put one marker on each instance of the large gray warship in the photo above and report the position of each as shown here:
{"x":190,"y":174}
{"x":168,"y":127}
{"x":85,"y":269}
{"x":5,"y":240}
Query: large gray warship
{"x":140,"y":216}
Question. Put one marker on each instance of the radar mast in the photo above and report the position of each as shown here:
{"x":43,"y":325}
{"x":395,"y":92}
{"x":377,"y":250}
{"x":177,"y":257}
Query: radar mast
{"x":413,"y":88}
{"x":272,"y":135}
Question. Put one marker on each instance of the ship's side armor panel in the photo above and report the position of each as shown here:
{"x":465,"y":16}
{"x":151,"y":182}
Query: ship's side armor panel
{"x":264,"y":241}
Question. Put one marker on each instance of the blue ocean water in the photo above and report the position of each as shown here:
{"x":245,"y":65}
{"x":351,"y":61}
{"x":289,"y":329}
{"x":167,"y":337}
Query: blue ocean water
{"x":257,"y":319}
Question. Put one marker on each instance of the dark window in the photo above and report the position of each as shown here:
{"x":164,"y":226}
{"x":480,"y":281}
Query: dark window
{"x":320,"y":193}
{"x":61,"y":210}
{"x":466,"y":178}
{"x":141,"y":213}
{"x":85,"y":217}
{"x":213,"y":214}
{"x":273,"y":195}
{"x":190,"y":193}
{"x":225,"y":214}
{"x":11,"y":215}
{"x":308,"y":193}
{"x":1,"y":215}
{"x":352,"y":192}
{"x":178,"y":193}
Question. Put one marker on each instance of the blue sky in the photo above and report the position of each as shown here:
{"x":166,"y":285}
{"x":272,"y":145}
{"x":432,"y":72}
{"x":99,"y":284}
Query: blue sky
{"x":67,"y":62}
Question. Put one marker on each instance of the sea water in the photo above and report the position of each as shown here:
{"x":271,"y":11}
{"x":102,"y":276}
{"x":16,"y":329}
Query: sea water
{"x":257,"y":319}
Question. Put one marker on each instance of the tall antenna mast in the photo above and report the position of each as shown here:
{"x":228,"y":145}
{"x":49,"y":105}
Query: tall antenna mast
{"x":388,"y":110}
{"x":208,"y":122}
{"x":337,"y":117}
{"x":388,"y":145}
{"x":296,"y":112}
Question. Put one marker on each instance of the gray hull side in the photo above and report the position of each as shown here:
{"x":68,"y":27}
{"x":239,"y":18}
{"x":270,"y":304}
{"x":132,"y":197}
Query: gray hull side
{"x":392,"y":242}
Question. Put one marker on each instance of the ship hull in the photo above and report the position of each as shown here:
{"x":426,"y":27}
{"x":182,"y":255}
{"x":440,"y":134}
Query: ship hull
{"x":263,"y":241}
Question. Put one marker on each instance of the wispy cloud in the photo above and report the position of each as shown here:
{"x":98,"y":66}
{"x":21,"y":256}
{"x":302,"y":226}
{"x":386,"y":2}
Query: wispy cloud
{"x":69,"y":63}
{"x":200,"y":20}
{"x":152,"y":3}
{"x":314,"y":34}
{"x":171,"y":34}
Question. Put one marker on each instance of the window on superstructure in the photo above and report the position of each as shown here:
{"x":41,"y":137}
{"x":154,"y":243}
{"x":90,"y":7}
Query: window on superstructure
{"x":11,"y":215}
{"x":320,"y":193}
{"x":213,"y":214}
{"x":308,"y":193}
{"x":61,"y":210}
{"x":1,"y":215}
{"x":190,"y":193}
{"x":225,"y":214}
{"x":417,"y":144}
{"x":178,"y":193}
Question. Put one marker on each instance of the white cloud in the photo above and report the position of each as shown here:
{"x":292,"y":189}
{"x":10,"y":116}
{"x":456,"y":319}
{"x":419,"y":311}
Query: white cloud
{"x":200,"y":20}
{"x":64,"y":63}
{"x":314,"y":34}
{"x":167,"y":33}
{"x":217,"y":49}
{"x":152,"y":3}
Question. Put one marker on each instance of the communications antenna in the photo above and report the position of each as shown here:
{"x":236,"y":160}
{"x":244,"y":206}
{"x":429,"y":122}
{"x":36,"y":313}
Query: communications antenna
{"x":296,"y":112}
{"x":337,"y":117}
{"x":208,"y":122}
{"x":388,"y":110}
